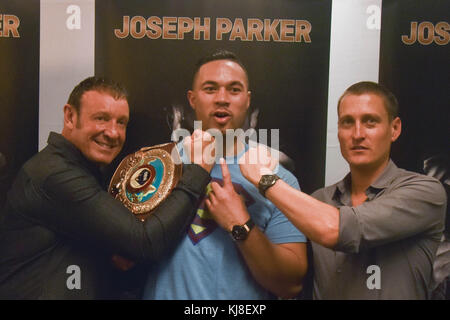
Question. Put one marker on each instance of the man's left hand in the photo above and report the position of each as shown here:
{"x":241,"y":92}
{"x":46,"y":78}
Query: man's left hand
{"x":225,"y":205}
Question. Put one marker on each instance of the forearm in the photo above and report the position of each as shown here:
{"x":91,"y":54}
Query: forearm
{"x":317,"y":220}
{"x":74,"y":205}
{"x":279,"y":268}
{"x":168,"y":223}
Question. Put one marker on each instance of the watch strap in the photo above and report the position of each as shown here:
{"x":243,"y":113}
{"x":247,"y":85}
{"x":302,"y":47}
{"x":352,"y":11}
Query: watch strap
{"x":249,"y":225}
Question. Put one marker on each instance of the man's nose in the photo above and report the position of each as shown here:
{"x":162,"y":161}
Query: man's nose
{"x":112,"y":130}
{"x":358,"y":131}
{"x":221,"y":96}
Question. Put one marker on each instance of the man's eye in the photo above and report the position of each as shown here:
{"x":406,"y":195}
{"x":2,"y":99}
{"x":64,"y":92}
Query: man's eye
{"x":236,"y":89}
{"x":102,"y":118}
{"x":209,"y":89}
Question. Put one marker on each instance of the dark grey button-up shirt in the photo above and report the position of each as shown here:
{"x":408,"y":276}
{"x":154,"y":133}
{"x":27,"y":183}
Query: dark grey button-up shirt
{"x":386,"y":245}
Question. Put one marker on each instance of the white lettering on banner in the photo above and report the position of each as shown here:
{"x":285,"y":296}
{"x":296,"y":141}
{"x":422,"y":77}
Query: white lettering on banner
{"x":73,"y":22}
{"x":74,"y":280}
{"x":374,"y":281}
{"x":374,"y":20}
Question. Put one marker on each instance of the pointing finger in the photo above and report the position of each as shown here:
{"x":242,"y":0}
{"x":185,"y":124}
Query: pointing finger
{"x":225,"y":173}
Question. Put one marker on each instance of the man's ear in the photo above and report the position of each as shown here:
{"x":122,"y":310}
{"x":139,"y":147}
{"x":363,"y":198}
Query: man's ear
{"x":249,"y":94}
{"x":191,"y":98}
{"x":396,"y":128}
{"x":70,"y":115}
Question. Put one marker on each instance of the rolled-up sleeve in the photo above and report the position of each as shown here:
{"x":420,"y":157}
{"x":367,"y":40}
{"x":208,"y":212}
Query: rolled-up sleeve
{"x":414,"y":205}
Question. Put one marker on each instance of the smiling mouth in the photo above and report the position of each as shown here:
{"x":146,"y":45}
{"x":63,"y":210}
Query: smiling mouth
{"x":105,"y":145}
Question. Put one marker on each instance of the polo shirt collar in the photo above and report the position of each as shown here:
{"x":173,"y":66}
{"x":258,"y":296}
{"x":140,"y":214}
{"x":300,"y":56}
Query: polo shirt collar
{"x":343,"y":187}
{"x":385,"y":178}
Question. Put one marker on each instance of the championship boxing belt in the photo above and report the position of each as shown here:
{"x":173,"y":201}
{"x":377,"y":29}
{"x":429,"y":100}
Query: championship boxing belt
{"x":145,"y":178}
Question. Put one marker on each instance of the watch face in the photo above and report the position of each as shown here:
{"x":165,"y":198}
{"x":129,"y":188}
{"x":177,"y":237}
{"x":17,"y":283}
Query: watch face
{"x":239,"y":233}
{"x":266,"y":179}
{"x":266,"y":182}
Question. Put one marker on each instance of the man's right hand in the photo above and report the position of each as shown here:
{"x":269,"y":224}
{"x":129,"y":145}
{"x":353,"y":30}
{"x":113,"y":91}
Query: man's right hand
{"x":257,"y":162}
{"x":200,"y":148}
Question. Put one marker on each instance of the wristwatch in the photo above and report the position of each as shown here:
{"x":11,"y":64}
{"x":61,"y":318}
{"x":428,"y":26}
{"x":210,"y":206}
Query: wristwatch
{"x":240,"y":232}
{"x":266,"y":181}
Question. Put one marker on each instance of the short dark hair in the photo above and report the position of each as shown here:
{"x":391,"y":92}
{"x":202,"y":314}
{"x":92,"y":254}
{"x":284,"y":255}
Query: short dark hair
{"x":390,"y":101}
{"x":116,"y":90}
{"x":218,"y":55}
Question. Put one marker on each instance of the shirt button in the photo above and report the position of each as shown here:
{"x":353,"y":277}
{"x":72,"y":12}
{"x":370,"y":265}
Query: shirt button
{"x":339,"y":270}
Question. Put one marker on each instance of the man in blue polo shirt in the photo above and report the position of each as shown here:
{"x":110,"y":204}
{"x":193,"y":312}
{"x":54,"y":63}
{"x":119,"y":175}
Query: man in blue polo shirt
{"x":239,"y":246}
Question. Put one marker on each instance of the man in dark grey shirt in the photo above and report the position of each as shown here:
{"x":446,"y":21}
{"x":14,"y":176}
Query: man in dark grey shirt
{"x":386,"y":245}
{"x":375,"y":233}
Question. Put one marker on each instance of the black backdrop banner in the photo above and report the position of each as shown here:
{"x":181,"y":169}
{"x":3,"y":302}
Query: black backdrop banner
{"x":152,"y":47}
{"x":414,"y":64}
{"x":19,"y":86}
